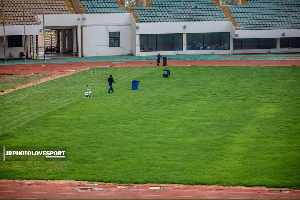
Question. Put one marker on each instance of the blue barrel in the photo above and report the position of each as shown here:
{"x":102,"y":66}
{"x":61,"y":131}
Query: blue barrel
{"x":135,"y":84}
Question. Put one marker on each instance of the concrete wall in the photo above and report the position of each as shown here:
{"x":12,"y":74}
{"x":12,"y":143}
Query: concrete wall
{"x":96,"y":40}
{"x":254,"y":51}
{"x":95,"y":32}
{"x":19,"y":30}
{"x":267,"y":33}
{"x":70,"y":20}
{"x":133,"y":35}
{"x":14,"y":50}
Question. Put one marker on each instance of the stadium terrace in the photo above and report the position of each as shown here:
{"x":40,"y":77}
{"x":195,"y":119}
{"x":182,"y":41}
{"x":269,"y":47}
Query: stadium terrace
{"x":172,"y":27}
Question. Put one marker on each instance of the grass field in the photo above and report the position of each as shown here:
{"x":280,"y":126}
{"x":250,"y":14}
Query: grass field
{"x":7,"y":82}
{"x":203,"y":125}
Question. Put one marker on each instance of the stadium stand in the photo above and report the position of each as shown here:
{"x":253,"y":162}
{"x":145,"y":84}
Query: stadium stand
{"x":267,"y":15}
{"x":13,"y":10}
{"x":102,"y":6}
{"x":179,"y":11}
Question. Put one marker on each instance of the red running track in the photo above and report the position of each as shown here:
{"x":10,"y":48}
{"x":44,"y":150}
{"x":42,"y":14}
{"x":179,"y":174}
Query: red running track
{"x":82,"y":190}
{"x":62,"y":68}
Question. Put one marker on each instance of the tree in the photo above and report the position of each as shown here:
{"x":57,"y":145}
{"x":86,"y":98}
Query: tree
{"x":131,"y":3}
{"x":226,"y":2}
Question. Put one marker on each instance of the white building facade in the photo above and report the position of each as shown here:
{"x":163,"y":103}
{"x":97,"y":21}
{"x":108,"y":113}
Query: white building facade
{"x":119,"y":34}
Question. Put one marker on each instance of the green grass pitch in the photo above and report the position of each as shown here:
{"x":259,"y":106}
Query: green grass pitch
{"x":202,"y":125}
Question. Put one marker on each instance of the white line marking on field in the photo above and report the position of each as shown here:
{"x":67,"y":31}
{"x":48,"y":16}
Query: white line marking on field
{"x":7,"y":191}
{"x":122,"y":186}
{"x":154,"y":188}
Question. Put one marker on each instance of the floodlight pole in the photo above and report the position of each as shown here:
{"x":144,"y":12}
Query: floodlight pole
{"x":4,"y":40}
{"x":44,"y":30}
{"x":24,"y":30}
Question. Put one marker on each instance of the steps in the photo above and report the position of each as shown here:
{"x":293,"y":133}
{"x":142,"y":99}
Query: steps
{"x":71,"y":7}
{"x":79,"y":6}
{"x":149,"y":3}
{"x":244,"y":3}
{"x":121,"y":3}
{"x":1,"y":16}
{"x":216,"y":2}
{"x":227,"y":13}
{"x":130,"y":10}
{"x":229,"y":16}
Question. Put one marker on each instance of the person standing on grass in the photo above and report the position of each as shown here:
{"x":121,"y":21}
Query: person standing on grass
{"x":110,"y":82}
{"x":158,"y":59}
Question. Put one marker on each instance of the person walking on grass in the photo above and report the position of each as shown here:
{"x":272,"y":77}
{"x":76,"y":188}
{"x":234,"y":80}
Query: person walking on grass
{"x":158,"y":59}
{"x":110,"y":82}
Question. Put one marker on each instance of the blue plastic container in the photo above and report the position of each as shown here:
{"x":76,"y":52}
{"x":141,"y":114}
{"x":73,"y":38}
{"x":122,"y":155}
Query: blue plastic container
{"x":135,"y":84}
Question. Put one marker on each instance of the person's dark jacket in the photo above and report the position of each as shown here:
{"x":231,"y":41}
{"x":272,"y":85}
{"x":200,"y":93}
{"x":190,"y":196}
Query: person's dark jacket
{"x":110,"y":81}
{"x":158,"y":57}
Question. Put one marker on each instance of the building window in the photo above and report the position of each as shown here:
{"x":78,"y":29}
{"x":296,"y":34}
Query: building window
{"x":14,"y":41}
{"x":290,"y":42}
{"x":161,"y":42}
{"x":114,"y":39}
{"x":237,"y":45}
{"x":208,"y":41}
{"x":254,"y":43}
{"x":284,"y":42}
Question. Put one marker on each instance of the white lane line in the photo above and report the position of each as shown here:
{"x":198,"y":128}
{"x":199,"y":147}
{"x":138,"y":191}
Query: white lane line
{"x":153,"y":195}
{"x":185,"y":196}
{"x":67,"y":193}
{"x":38,"y":192}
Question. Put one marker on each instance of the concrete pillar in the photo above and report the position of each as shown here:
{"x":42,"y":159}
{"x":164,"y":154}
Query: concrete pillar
{"x":41,"y":43}
{"x":67,"y":40}
{"x":34,"y":45}
{"x":64,"y":41}
{"x":184,"y":42}
{"x":137,"y":46}
{"x":28,"y":46}
{"x":278,"y":45}
{"x":79,"y":40}
{"x":231,"y":44}
{"x":74,"y":41}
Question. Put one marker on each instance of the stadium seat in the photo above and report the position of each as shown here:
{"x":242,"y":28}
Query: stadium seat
{"x":267,"y":14}
{"x":178,"y":10}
